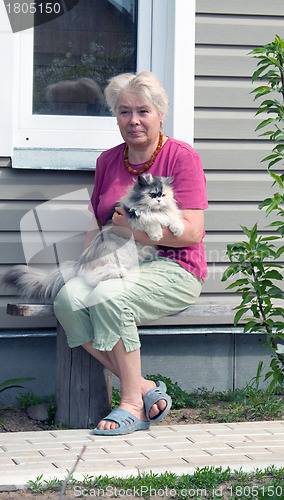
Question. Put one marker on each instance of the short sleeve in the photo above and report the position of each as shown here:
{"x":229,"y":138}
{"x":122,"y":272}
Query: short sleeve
{"x":189,"y":183}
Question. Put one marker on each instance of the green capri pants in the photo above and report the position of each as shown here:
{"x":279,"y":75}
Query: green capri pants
{"x":113,"y":309}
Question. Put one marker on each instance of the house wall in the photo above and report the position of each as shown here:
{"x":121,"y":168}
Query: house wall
{"x":225,"y":122}
{"x":226,"y":30}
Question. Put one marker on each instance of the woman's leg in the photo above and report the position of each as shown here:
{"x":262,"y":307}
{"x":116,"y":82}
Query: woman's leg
{"x":71,"y":309}
{"x":109,"y":314}
{"x":133,"y":387}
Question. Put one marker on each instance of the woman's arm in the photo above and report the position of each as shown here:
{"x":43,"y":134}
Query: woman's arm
{"x":92,"y":231}
{"x":193,"y":221}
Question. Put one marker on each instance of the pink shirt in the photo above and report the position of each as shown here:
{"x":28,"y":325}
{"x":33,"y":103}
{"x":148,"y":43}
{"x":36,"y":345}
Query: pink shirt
{"x":176,"y":159}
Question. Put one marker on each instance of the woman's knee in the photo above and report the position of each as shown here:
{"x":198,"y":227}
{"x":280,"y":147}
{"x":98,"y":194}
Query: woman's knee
{"x":72,"y":296}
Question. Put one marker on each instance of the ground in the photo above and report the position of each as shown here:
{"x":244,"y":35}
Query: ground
{"x":17,"y":420}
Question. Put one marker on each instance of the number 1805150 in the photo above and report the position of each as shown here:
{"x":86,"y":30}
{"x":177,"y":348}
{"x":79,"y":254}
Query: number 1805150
{"x":33,"y":8}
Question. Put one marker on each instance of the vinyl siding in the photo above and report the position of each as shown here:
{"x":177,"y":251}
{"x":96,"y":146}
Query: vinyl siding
{"x":225,"y":122}
{"x":226,"y":30}
{"x":25,"y":190}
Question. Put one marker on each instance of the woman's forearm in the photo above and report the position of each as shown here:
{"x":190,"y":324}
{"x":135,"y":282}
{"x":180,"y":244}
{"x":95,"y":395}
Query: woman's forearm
{"x":193,"y":221}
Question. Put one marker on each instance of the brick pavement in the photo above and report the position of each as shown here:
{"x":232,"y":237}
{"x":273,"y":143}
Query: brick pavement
{"x":177,"y":448}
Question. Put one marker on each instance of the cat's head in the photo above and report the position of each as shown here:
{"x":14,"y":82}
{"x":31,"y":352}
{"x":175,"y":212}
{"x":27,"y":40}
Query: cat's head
{"x":154,"y":192}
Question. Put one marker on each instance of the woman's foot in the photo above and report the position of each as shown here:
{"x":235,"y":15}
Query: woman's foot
{"x":137,"y":410}
{"x":160,"y":406}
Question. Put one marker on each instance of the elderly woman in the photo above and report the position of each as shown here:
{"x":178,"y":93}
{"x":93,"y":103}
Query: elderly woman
{"x":105,"y":323}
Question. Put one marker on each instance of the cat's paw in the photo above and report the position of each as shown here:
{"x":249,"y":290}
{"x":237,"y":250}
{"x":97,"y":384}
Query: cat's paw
{"x":155,"y":235}
{"x":177,"y":229}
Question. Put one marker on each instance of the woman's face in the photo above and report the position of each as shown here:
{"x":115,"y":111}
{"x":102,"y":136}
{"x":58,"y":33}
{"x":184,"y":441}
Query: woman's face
{"x":139,"y":122}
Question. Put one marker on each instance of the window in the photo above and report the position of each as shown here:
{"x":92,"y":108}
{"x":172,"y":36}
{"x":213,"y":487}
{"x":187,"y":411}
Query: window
{"x":77,"y":53}
{"x":106,"y":37}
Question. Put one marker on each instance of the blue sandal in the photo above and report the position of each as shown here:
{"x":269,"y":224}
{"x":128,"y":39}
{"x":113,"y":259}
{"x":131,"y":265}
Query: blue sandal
{"x":152,"y":397}
{"x":127,"y":423}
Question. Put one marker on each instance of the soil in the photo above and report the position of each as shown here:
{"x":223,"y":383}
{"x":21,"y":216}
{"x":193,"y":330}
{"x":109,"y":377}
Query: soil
{"x":17,"y":420}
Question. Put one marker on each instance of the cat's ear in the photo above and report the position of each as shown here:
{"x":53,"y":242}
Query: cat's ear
{"x":168,"y":180}
{"x":145,"y":180}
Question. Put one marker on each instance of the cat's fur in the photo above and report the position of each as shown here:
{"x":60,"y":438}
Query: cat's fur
{"x":149,"y":205}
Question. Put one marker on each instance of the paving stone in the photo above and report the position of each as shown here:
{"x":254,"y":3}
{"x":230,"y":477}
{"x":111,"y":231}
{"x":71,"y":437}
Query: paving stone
{"x":252,"y":444}
{"x":179,"y":449}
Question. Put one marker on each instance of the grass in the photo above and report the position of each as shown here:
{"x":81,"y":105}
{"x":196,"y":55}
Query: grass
{"x":249,"y":403}
{"x":206,"y":483}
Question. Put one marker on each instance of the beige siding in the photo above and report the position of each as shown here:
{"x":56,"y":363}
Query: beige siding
{"x":23,"y":191}
{"x":226,"y":30}
{"x":225,"y":123}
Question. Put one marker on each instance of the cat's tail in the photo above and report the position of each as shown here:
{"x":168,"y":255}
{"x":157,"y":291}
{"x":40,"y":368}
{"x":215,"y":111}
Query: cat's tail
{"x":34,"y":283}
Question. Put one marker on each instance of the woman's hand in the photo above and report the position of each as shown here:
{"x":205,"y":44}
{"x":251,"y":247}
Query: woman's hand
{"x":193,"y":221}
{"x":120,"y":224}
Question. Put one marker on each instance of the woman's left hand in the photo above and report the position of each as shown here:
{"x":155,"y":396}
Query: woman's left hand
{"x":120,"y":224}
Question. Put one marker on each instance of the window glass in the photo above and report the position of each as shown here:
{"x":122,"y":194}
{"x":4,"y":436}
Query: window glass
{"x":76,"y":54}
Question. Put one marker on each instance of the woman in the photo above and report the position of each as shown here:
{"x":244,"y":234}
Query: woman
{"x":103,"y":322}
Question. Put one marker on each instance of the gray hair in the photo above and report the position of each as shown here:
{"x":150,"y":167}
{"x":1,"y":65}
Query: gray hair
{"x":144,"y":84}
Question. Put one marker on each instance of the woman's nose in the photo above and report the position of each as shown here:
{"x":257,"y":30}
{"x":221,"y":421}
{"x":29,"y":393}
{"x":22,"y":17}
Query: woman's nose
{"x":134,"y":118}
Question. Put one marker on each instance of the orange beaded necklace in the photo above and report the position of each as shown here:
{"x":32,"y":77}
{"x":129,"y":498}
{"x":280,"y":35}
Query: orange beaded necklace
{"x":148,"y":164}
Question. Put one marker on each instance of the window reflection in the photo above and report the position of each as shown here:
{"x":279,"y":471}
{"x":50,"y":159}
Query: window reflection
{"x":77,"y":53}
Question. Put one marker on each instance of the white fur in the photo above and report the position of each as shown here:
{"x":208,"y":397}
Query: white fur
{"x":109,"y":256}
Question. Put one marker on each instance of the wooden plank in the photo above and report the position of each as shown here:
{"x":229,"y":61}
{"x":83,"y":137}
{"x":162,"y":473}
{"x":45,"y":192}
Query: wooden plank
{"x":209,"y":308}
{"x":34,"y":252}
{"x":230,"y":216}
{"x":83,"y":386}
{"x":253,"y":7}
{"x":63,"y":370}
{"x":251,"y":31}
{"x":223,"y":61}
{"x":238,"y":186}
{"x":29,"y":185}
{"x":225,"y":93}
{"x":233,"y":155}
{"x":34,"y":310}
{"x":8,"y":322}
{"x":72,"y":215}
{"x":225,"y":124}
{"x":90,"y":390}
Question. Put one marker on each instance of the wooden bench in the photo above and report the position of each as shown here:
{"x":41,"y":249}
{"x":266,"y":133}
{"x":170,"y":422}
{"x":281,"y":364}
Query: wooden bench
{"x":83,"y":385}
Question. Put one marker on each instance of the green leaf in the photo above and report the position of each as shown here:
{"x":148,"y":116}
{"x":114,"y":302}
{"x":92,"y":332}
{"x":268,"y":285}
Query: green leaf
{"x":240,"y":282}
{"x":273,"y":162}
{"x":264,"y":123}
{"x":234,"y":269}
{"x":279,"y":252}
{"x":275,"y":275}
{"x":276,"y":177}
{"x":258,"y":72}
{"x":249,"y":325}
{"x":16,"y":381}
{"x":239,"y":314}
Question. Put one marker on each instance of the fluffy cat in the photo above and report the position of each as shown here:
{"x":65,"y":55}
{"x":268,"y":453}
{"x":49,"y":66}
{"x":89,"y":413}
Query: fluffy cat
{"x":149,"y":205}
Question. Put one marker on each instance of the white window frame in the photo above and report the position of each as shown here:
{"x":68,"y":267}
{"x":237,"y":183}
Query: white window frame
{"x":166,"y":40}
